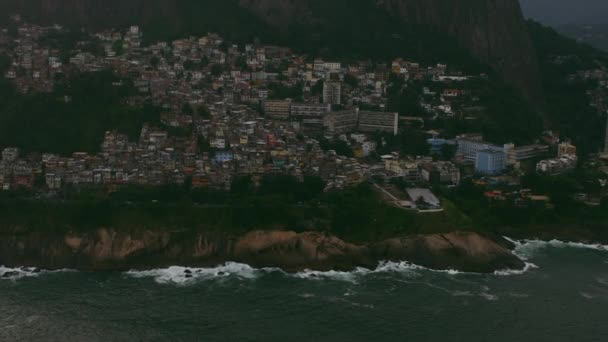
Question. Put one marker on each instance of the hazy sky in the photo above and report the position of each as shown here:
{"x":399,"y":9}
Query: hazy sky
{"x":559,"y":12}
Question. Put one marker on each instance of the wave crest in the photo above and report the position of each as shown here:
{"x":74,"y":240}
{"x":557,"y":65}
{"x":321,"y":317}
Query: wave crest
{"x":526,"y":249}
{"x":8,"y":273}
{"x":184,"y":275}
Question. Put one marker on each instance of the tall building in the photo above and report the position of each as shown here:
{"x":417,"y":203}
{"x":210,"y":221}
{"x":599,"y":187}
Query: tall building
{"x":309,"y":112}
{"x":341,"y":122}
{"x":310,"y":115}
{"x":332,"y":93}
{"x":379,"y":122}
{"x":490,"y":161}
{"x":468,"y":147}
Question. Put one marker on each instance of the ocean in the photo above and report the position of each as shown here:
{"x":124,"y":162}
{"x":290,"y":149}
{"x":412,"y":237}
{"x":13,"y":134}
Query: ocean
{"x":562,"y":296}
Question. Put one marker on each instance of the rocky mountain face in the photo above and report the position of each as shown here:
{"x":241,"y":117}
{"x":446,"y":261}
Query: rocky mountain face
{"x":108,"y":249}
{"x":493,"y":31}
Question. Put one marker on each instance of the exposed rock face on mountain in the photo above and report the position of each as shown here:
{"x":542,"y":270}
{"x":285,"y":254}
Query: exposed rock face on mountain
{"x":107,"y":249}
{"x":493,"y":31}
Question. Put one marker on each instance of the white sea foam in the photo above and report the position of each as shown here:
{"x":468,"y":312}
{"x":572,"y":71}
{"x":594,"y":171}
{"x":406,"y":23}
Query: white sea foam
{"x":408,"y":267}
{"x":489,"y":296}
{"x":386,"y":267}
{"x":7,"y":273}
{"x":525,"y":249}
{"x":508,"y":272}
{"x":350,"y":277}
{"x":185,"y":275}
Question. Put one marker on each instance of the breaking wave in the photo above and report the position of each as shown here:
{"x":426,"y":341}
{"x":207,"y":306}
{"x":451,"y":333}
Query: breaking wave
{"x":529,"y":266}
{"x":526,"y":249}
{"x":185,"y":275}
{"x":7,"y":273}
{"x":402,"y":268}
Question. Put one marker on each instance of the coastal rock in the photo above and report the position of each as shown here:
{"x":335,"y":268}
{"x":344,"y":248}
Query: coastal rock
{"x":461,"y":251}
{"x":292,"y":251}
{"x":108,"y":249}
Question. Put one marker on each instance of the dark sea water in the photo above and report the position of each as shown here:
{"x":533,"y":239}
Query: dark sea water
{"x":562,"y":297}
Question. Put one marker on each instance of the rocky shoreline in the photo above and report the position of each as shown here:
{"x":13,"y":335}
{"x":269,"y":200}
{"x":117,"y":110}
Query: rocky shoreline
{"x":109,"y":249}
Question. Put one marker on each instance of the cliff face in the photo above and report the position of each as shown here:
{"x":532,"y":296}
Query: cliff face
{"x":493,"y":31}
{"x":107,"y":249}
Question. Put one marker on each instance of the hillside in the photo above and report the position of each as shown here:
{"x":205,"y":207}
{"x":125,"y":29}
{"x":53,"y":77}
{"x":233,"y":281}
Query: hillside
{"x":491,"y":31}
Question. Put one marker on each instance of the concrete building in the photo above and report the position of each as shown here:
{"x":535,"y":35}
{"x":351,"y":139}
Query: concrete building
{"x":341,"y":122}
{"x":408,"y":170}
{"x":379,"y":122}
{"x":310,"y":115}
{"x":468,"y":147}
{"x":332,"y":93}
{"x":309,"y":111}
{"x":490,"y":161}
{"x":440,"y":173}
{"x":516,"y":155}
{"x":277,"y":109}
{"x":558,"y":165}
{"x":10,"y":154}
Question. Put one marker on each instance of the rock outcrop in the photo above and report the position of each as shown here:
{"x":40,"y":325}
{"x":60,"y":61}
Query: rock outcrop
{"x":107,"y":249}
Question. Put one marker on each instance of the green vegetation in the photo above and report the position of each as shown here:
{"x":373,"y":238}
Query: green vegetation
{"x":279,"y":91}
{"x":356,"y":214}
{"x":5,"y":63}
{"x":340,"y":146}
{"x":74,"y":117}
{"x":563,"y":216}
{"x":567,"y":104}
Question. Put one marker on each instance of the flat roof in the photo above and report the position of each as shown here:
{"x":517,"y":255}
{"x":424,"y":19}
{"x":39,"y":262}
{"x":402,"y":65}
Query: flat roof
{"x":426,"y":194}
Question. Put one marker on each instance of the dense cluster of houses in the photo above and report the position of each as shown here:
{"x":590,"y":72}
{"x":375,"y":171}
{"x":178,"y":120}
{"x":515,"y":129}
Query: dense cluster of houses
{"x":252,"y":110}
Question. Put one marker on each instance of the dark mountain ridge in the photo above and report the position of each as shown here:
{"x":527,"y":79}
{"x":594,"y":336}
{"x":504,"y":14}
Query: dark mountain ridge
{"x":492,"y":31}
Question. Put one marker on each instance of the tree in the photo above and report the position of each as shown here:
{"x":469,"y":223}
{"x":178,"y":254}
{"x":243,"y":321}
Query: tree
{"x":341,"y":147}
{"x":203,"y":112}
{"x":203,"y":144}
{"x":118,"y":47}
{"x":216,"y":70}
{"x":187,"y":109}
{"x":448,"y":151}
{"x":317,"y":88}
{"x":351,"y":80}
{"x":155,"y":61}
{"x":241,"y":185}
{"x":5,"y":63}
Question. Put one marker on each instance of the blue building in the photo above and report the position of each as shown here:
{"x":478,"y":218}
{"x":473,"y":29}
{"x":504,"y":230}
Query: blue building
{"x":490,"y":161}
{"x":436,"y":144}
{"x":223,"y":156}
